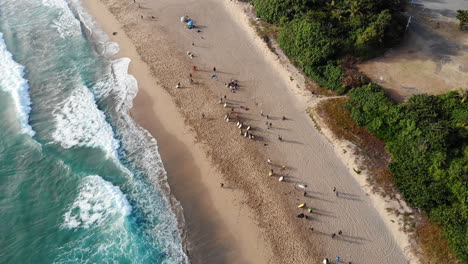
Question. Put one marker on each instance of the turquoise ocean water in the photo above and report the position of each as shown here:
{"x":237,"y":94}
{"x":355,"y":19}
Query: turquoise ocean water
{"x":80,"y":182}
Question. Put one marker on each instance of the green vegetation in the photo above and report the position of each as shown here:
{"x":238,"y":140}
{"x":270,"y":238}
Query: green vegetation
{"x":462,"y":16}
{"x":427,"y":137}
{"x":317,"y":34}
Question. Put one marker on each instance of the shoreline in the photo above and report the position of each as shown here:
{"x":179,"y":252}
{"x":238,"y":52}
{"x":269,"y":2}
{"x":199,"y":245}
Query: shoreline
{"x":176,"y":144}
{"x":176,"y":132}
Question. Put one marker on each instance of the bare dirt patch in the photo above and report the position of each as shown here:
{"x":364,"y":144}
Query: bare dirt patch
{"x":432,"y":59}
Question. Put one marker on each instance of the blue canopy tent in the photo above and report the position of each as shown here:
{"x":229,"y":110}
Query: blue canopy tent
{"x":190,"y":24}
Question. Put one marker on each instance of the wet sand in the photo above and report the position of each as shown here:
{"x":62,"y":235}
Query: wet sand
{"x":193,"y":181}
{"x":253,"y":220}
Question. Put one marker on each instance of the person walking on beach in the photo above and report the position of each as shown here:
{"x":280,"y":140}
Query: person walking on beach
{"x":203,"y":115}
{"x":214,"y":69}
{"x":194,"y":68}
{"x":280,"y":138}
{"x":333,"y":235}
{"x":334,"y":189}
{"x":269,"y":161}
{"x":178,"y":85}
{"x":340,"y":232}
{"x":261,"y":113}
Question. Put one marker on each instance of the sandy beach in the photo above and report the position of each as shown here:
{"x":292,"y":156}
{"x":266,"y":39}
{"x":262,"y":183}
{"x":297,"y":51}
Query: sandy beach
{"x":253,"y":218}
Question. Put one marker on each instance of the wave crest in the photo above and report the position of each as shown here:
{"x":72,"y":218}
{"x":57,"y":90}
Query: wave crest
{"x":80,"y":123}
{"x":97,"y":203}
{"x":12,"y":81}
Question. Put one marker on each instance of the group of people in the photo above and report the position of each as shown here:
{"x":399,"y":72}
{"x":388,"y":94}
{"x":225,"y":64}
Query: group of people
{"x":232,"y":85}
{"x":245,"y":130}
{"x":310,"y":210}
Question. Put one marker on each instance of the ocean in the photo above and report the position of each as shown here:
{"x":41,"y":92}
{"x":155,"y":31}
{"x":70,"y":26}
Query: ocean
{"x":80,"y":181}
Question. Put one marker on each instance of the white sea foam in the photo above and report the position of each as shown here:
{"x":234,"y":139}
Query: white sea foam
{"x":97,"y":203}
{"x":12,"y":81}
{"x":118,"y":85}
{"x":140,"y":148}
{"x":92,"y":29}
{"x":149,"y":190}
{"x":80,"y":123}
{"x":66,"y":23}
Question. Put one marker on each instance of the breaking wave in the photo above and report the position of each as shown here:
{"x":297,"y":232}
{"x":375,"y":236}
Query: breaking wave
{"x":12,"y":81}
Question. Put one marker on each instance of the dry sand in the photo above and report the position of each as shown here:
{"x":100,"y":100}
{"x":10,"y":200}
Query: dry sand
{"x":253,"y":220}
{"x":214,"y":236}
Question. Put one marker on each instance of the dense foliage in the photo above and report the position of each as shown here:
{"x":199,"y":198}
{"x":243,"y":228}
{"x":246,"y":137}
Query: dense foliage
{"x":462,"y":16}
{"x":427,"y":137}
{"x":316,"y":34}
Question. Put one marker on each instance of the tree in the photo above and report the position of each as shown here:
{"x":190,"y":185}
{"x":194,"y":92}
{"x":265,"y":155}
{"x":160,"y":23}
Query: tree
{"x":462,"y":16}
{"x":372,"y":37}
{"x":307,"y":41}
{"x":274,"y":10}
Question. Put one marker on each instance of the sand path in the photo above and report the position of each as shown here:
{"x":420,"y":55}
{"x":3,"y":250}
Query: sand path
{"x":225,"y":44}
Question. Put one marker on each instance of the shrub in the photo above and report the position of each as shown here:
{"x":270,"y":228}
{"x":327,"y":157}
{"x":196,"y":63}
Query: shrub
{"x":427,"y":139}
{"x":462,"y":16}
{"x":317,"y":33}
{"x":307,"y":42}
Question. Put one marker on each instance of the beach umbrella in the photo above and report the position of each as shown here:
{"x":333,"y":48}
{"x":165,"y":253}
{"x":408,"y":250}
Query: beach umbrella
{"x":190,"y":23}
